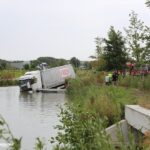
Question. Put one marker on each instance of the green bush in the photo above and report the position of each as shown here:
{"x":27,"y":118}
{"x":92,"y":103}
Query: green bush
{"x":81,"y":131}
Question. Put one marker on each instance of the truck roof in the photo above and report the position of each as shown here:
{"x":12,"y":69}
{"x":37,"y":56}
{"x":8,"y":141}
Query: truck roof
{"x":29,"y":75}
{"x":25,"y":77}
{"x":32,"y":72}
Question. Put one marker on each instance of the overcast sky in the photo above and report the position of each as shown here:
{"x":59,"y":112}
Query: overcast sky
{"x":61,"y":28}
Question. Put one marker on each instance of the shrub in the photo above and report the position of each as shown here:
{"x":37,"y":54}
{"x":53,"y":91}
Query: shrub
{"x":81,"y":131}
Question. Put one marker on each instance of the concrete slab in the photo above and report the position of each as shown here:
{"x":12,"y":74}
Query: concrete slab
{"x":138,"y":117}
{"x":116,"y":129}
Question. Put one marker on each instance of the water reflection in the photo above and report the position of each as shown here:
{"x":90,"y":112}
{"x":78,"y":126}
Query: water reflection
{"x":30,"y":114}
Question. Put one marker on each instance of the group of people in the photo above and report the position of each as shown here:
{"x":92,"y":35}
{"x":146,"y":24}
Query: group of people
{"x":111,"y":78}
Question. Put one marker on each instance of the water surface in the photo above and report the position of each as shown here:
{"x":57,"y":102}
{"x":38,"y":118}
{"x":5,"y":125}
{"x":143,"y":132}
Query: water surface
{"x":30,"y":115}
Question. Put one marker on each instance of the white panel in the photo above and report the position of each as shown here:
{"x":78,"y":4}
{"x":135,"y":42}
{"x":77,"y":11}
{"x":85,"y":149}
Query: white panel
{"x":138,"y":117}
{"x":113,"y":130}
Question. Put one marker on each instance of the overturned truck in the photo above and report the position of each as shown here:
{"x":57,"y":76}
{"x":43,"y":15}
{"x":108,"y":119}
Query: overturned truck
{"x":46,"y":78}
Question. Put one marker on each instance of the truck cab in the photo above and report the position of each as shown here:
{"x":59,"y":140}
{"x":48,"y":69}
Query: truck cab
{"x":30,"y":81}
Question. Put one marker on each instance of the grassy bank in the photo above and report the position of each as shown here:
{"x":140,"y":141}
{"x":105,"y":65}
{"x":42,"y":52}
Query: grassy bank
{"x":93,"y":106}
{"x":89,"y":90}
{"x":9,"y":77}
{"x":106,"y":101}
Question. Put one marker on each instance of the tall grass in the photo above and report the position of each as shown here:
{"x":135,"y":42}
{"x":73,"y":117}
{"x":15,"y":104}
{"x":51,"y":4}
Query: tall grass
{"x":9,"y":77}
{"x":106,"y":101}
{"x":11,"y":74}
{"x":142,"y":83}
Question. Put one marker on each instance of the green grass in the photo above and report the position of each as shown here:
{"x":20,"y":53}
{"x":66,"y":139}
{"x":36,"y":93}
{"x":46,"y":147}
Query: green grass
{"x":138,"y":82}
{"x":106,"y":101}
{"x":9,"y":77}
{"x":11,"y":74}
{"x":88,"y":89}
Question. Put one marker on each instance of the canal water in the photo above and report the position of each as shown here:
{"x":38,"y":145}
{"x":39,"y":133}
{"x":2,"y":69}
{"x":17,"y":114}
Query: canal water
{"x":30,"y":115}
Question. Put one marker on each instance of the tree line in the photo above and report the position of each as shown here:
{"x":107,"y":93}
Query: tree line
{"x":50,"y":61}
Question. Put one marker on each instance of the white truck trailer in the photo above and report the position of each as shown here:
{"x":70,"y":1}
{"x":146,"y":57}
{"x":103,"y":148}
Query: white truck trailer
{"x":46,"y":79}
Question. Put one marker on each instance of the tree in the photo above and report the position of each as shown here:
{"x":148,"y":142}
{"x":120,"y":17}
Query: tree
{"x":99,"y":46}
{"x":98,"y":61}
{"x":147,"y":3}
{"x":137,"y":38}
{"x":87,"y":65}
{"x":75,"y":62}
{"x":34,"y":64}
{"x":61,"y":62}
{"x":114,"y":51}
{"x":101,"y":64}
{"x":147,"y":51}
{"x":26,"y":66}
{"x":3,"y":65}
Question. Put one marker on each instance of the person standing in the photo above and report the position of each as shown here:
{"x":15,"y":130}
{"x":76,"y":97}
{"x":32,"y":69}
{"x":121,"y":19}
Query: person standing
{"x":107,"y":80}
{"x":115,"y":77}
{"x":110,"y":78}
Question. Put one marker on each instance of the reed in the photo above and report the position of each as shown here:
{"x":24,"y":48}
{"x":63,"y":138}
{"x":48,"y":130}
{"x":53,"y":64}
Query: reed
{"x":9,"y":77}
{"x":142,"y":83}
{"x":107,"y":101}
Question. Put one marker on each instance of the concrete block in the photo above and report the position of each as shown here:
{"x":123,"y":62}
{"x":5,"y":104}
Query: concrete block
{"x":138,"y":117}
{"x":121,"y":128}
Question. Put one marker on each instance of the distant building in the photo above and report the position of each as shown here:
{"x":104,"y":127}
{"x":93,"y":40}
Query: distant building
{"x":19,"y":64}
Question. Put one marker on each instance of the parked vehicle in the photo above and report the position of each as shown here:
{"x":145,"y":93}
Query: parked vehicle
{"x":137,"y":71}
{"x":46,"y":78}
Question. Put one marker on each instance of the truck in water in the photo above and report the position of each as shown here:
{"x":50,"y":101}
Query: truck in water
{"x":46,"y":78}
